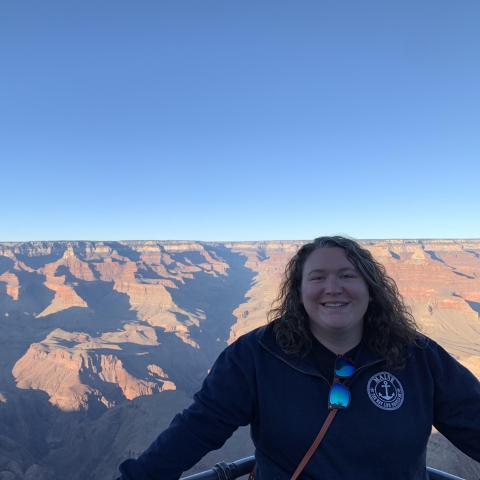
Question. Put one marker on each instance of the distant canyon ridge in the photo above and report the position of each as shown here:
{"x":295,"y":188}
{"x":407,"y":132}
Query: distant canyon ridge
{"x":103,"y":342}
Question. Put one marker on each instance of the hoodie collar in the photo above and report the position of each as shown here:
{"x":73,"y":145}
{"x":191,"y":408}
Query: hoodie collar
{"x":363,"y":358}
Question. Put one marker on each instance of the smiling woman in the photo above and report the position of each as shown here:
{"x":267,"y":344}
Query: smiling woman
{"x":382,"y":320}
{"x":341,"y":353}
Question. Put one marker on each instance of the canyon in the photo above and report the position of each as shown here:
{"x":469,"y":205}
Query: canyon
{"x":103,"y":342}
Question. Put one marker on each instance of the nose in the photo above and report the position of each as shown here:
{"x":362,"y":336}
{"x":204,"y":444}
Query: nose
{"x":333,"y":285}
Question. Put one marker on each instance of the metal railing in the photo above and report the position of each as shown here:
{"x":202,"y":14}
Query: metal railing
{"x":439,"y":475}
{"x":226,"y":471}
{"x":231,"y":471}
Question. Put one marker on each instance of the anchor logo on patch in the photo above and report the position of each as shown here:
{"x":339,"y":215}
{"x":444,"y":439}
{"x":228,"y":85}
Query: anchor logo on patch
{"x":385,"y":391}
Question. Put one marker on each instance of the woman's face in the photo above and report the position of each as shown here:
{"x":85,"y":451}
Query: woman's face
{"x":334,"y":293}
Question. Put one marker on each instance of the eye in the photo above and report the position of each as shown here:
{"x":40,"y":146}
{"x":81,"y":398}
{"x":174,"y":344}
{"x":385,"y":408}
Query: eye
{"x":348,"y":275}
{"x":318,"y":277}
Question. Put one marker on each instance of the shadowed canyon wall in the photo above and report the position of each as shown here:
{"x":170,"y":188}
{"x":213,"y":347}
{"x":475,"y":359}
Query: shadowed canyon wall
{"x":103,"y":342}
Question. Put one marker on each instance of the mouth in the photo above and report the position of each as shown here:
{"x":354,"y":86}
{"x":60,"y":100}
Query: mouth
{"x":334,"y":304}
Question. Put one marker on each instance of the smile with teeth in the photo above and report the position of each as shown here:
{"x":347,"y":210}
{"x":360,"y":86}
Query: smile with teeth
{"x":334,"y":304}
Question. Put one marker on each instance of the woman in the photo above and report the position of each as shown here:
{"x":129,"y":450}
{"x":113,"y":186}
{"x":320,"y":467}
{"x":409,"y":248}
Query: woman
{"x":285,"y":381}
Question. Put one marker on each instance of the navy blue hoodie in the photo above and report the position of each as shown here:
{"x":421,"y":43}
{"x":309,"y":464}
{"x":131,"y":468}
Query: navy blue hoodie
{"x":383,"y":434}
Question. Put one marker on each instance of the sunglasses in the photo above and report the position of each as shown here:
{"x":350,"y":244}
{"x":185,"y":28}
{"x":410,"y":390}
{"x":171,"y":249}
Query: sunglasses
{"x":339,"y":396}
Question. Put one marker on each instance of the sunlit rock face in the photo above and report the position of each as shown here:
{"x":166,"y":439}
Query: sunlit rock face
{"x":72,"y":370}
{"x":88,"y":326}
{"x":439,"y":279}
{"x":93,"y":324}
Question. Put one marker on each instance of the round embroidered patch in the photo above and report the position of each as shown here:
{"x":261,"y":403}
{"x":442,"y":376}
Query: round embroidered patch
{"x":385,"y":391}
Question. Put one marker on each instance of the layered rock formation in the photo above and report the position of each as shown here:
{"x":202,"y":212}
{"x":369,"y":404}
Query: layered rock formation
{"x":88,"y":327}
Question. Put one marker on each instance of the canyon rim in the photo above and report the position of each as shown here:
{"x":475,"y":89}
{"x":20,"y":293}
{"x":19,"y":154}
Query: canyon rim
{"x":103,"y":342}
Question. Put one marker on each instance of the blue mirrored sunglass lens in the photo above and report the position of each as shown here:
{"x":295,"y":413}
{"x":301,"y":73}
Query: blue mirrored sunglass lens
{"x":344,"y":367}
{"x":339,"y":396}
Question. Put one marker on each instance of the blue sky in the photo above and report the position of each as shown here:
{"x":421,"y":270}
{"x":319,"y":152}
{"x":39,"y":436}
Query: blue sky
{"x":239,"y":120}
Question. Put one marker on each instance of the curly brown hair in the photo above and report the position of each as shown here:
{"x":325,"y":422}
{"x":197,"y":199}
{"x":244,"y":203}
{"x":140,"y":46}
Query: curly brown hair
{"x":389,"y":327}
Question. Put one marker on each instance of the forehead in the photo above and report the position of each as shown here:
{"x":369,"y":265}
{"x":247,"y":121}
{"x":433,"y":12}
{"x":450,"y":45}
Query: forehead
{"x":328,"y":258}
